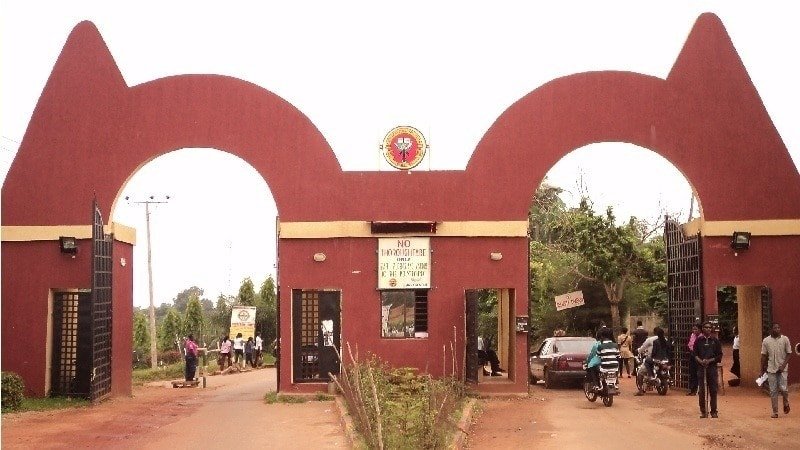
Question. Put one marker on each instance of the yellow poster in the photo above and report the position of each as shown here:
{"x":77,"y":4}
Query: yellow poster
{"x":243,"y":320}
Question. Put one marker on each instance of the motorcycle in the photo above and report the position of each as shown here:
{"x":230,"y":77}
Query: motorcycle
{"x":662,"y":380}
{"x":609,"y":387}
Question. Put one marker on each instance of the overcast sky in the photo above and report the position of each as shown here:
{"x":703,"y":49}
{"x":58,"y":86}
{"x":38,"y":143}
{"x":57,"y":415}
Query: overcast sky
{"x":359,"y":69}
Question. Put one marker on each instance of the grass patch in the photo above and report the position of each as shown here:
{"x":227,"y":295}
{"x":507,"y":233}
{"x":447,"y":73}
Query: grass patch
{"x":49,"y":404}
{"x":168,"y":372}
{"x":273,"y":397}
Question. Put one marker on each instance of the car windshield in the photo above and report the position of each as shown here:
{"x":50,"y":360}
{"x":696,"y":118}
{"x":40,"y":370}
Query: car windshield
{"x":582,"y":346}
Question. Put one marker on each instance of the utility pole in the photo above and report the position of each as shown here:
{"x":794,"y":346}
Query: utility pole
{"x":153,"y":348}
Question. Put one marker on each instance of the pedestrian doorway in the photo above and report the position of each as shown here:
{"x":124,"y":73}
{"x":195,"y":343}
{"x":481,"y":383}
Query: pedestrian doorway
{"x":71,"y":344}
{"x":489,"y":335}
{"x":748,"y":311}
{"x":316,"y":325}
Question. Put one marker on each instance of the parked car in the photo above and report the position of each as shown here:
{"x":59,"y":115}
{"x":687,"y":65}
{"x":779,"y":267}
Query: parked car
{"x":560,"y":360}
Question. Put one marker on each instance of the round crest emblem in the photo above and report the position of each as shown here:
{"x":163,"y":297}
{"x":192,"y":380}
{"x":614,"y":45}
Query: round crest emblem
{"x":404,"y":147}
{"x":244,"y":315}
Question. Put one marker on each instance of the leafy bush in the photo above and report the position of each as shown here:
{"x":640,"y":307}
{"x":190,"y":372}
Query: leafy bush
{"x":13,"y":390}
{"x":170,"y":357}
{"x":400,"y":408}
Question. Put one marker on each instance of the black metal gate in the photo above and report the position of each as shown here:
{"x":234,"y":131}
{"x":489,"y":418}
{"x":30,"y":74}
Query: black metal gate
{"x":684,"y":293}
{"x":766,"y":311}
{"x":71,"y":367}
{"x":471,"y":339}
{"x":316,"y":327}
{"x":101,"y":308}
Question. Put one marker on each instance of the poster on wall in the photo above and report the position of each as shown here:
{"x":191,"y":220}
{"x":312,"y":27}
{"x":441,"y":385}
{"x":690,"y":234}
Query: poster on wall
{"x":569,"y":300}
{"x":243,"y":320}
{"x":404,"y":263}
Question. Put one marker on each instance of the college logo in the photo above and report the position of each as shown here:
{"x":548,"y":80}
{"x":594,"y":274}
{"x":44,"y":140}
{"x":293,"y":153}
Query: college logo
{"x":404,"y":147}
{"x":244,"y":315}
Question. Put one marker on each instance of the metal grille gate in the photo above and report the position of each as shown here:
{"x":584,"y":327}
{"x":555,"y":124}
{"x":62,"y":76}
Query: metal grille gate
{"x":684,"y":293}
{"x":71,"y":362}
{"x":101,"y":308}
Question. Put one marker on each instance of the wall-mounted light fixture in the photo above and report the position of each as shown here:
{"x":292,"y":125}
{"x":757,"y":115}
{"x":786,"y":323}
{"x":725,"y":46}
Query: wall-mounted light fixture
{"x":495,"y":256}
{"x":319,"y":257}
{"x":68,"y":244}
{"x":740,"y":240}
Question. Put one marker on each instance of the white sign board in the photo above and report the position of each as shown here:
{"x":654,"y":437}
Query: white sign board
{"x":404,"y":263}
{"x":243,"y":320}
{"x":570,"y":300}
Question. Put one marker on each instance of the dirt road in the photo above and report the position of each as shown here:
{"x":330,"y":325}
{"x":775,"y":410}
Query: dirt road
{"x":564,"y":419}
{"x":229,"y":413}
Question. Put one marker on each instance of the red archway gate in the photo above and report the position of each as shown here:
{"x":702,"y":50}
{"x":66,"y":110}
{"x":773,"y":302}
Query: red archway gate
{"x":90,"y":132}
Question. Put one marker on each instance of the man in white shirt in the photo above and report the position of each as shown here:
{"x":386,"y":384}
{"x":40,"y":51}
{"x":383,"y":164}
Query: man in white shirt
{"x":775,"y":351}
{"x":258,"y":347}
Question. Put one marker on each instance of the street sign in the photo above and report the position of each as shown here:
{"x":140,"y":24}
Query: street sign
{"x":570,"y":300}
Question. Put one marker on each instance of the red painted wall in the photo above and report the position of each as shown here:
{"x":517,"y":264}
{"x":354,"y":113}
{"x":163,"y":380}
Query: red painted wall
{"x":122,"y":320}
{"x":458,"y":264}
{"x":26,"y":291}
{"x":771,"y":261}
{"x":706,"y":118}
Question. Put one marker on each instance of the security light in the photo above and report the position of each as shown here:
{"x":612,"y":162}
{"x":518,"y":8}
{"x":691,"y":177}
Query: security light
{"x":740,"y":240}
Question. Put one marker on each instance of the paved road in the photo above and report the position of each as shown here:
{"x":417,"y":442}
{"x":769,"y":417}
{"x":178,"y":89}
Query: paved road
{"x":230,"y":413}
{"x":238,"y":411}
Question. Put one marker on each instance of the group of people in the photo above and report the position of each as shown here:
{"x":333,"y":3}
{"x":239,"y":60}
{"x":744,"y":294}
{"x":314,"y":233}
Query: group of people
{"x":245,"y":352}
{"x":705,"y":352}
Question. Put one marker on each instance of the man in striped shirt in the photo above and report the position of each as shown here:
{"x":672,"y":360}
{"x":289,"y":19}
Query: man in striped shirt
{"x":603,"y":355}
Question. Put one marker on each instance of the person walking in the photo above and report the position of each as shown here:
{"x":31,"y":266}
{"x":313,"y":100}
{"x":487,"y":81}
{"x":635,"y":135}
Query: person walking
{"x":238,"y":350}
{"x":249,"y":347}
{"x":639,"y":336}
{"x":191,"y":358}
{"x":735,"y":369}
{"x":225,"y":353}
{"x":692,"y":363}
{"x":775,"y":351}
{"x":258,"y":349}
{"x":707,"y":354}
{"x":625,"y":353}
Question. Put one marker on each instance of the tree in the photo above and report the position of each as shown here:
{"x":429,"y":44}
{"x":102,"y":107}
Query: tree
{"x":170,"y":328}
{"x":221,"y":319}
{"x":247,"y":293}
{"x":141,"y":336}
{"x":267,"y":310}
{"x":182,"y":299}
{"x":193,"y":320}
{"x":612,"y":255}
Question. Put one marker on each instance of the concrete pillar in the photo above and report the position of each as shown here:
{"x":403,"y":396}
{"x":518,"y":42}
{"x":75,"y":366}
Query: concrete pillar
{"x":748,"y":299}
{"x":503,"y":335}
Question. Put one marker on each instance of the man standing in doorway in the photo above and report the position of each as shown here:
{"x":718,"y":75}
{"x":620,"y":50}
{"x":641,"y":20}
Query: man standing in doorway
{"x":707,"y":354}
{"x":639,"y":336}
{"x":692,"y":362}
{"x":775,"y":351}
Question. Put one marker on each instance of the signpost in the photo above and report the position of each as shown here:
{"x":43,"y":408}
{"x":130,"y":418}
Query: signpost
{"x":570,"y":300}
{"x":404,"y":263}
{"x":243,"y":320}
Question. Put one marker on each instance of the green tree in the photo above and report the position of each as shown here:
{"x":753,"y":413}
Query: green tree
{"x":612,"y":255}
{"x":247,"y":293}
{"x":182,"y":299}
{"x":267,"y":311}
{"x":193,"y":320}
{"x":170,"y":328}
{"x":221,"y":318}
{"x":141,"y":336}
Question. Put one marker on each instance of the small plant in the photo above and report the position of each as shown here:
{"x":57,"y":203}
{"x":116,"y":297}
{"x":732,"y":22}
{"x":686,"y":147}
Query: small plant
{"x":322,"y":397}
{"x":13,"y":391}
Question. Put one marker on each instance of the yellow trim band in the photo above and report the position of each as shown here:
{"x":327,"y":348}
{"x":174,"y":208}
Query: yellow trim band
{"x":779,"y":227}
{"x":340,"y":229}
{"x":28,"y":233}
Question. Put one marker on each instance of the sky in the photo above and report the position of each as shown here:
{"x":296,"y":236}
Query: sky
{"x":358,"y":69}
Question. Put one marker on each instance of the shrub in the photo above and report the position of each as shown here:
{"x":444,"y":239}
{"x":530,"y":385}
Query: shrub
{"x":170,"y":357}
{"x":13,"y":390}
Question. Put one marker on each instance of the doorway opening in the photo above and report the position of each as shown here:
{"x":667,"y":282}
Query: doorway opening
{"x":316,"y":334}
{"x":490,"y":335}
{"x":744,"y":318}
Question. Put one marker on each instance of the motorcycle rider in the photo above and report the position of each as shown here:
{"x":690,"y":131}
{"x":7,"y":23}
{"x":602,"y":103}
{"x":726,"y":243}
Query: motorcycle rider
{"x":656,"y":343}
{"x":603,"y":354}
